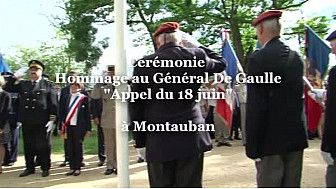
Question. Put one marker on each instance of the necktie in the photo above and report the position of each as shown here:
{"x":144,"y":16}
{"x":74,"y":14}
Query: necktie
{"x":34,"y":84}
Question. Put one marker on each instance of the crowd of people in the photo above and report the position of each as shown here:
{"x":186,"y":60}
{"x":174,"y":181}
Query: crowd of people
{"x":270,"y":116}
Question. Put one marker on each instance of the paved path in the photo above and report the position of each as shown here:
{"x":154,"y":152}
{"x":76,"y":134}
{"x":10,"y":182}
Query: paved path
{"x":225,"y":167}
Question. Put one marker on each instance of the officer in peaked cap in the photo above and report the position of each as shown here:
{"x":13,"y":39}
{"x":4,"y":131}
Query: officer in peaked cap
{"x":276,"y":143}
{"x":36,"y":64}
{"x":37,"y":112}
{"x":6,"y":74}
{"x":329,"y":136}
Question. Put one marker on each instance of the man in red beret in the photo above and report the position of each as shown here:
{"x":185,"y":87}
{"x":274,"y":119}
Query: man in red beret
{"x":329,"y":136}
{"x":275,"y":129}
{"x":174,"y":158}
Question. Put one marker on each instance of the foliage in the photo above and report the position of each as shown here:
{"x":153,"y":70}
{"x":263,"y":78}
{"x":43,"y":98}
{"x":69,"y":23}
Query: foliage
{"x":238,"y":16}
{"x":55,"y":57}
{"x":203,"y":19}
{"x":318,"y":24}
{"x":81,"y":14}
{"x":90,"y":143}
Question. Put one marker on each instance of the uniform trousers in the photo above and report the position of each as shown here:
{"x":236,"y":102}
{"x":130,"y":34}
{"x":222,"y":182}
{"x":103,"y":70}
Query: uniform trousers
{"x":101,"y":148}
{"x":221,"y":129}
{"x":242,"y":121}
{"x":74,"y":146}
{"x":283,"y":170}
{"x":236,"y":123}
{"x":110,"y":147}
{"x":36,"y":143}
{"x":180,"y":173}
{"x":331,"y":176}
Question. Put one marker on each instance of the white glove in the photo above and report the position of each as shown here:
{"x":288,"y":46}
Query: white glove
{"x":21,"y":72}
{"x":257,"y":160}
{"x":320,"y":93}
{"x":50,"y":126}
{"x":327,"y":158}
{"x":189,"y":41}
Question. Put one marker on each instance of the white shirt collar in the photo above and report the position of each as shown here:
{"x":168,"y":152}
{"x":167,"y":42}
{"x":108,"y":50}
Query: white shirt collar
{"x":74,"y":94}
{"x":38,"y":80}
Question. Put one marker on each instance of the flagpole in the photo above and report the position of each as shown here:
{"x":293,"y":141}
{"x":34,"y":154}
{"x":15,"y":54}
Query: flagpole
{"x":121,"y":108}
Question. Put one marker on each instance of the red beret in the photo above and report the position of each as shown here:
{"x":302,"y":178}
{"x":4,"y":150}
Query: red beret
{"x":167,"y":27}
{"x":267,"y":15}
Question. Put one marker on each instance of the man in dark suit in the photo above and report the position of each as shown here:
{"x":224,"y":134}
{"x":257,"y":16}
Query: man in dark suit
{"x":174,"y":159}
{"x":275,"y":130}
{"x":37,"y":112}
{"x":96,"y":110}
{"x":329,"y":136}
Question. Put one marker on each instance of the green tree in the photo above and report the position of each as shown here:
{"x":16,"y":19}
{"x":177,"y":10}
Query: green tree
{"x":57,"y":58}
{"x":239,"y":14}
{"x":143,"y":16}
{"x":203,"y":18}
{"x":78,"y":24}
{"x":318,"y":24}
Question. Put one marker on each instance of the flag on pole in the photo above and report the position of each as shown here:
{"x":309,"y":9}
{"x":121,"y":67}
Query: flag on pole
{"x":225,"y":106}
{"x":317,"y":53}
{"x":230,"y":56}
{"x":313,"y":111}
{"x":3,"y":65}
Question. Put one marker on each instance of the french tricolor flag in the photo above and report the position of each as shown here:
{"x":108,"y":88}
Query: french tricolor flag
{"x":225,"y":106}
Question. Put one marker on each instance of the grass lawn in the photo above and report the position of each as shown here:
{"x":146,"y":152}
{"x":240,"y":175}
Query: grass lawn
{"x":90,"y":144}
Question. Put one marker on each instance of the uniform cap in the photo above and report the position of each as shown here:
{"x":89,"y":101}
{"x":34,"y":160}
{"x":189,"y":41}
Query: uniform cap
{"x":167,"y":27}
{"x":6,"y":74}
{"x":332,"y":36}
{"x":36,"y":64}
{"x":267,"y":15}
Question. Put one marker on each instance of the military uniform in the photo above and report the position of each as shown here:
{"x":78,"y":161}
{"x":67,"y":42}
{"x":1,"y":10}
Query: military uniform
{"x":107,"y":122}
{"x":37,"y":106}
{"x":96,"y":111}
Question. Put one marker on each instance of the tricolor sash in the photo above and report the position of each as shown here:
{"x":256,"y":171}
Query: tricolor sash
{"x":71,"y":112}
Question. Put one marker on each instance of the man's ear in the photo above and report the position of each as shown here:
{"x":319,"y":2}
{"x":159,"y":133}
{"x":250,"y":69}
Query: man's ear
{"x":261,"y":29}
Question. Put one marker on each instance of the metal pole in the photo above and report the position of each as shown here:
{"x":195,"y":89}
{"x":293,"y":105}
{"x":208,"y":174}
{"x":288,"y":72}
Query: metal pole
{"x":121,"y":107}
